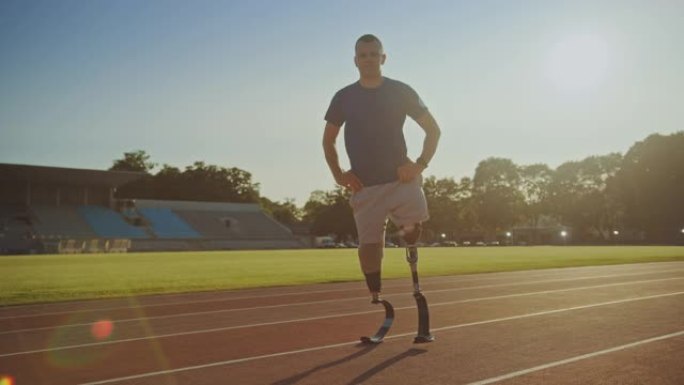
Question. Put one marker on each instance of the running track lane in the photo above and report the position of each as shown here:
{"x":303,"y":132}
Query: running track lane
{"x":540,"y":329}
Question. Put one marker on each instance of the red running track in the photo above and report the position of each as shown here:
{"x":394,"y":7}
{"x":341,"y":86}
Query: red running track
{"x":610,"y":324}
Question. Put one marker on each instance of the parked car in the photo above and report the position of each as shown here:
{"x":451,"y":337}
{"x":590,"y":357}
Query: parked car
{"x":327,"y":244}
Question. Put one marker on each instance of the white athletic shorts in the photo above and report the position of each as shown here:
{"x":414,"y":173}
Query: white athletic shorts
{"x":403,"y":203}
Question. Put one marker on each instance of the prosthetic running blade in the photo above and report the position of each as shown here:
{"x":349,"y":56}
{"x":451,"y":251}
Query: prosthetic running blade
{"x":423,"y":335}
{"x":384,"y":328}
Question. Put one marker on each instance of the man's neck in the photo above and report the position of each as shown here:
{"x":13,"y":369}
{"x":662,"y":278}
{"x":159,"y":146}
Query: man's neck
{"x":371,"y":82}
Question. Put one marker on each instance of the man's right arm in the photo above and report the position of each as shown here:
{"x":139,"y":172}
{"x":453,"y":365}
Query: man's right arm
{"x":346,"y":179}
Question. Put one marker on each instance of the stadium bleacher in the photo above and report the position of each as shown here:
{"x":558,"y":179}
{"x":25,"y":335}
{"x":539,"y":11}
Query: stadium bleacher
{"x":164,"y":223}
{"x":16,"y":232}
{"x":221,"y":220}
{"x":223,"y":225}
{"x":109,"y":224}
{"x":65,"y":210}
{"x":61,"y":222}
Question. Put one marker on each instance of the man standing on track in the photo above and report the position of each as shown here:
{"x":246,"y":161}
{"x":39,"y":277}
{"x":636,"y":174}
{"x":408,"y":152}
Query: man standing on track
{"x":384,"y":181}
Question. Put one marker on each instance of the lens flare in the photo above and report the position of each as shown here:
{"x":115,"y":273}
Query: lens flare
{"x":102,"y":329}
{"x":81,"y":329}
{"x":6,"y":380}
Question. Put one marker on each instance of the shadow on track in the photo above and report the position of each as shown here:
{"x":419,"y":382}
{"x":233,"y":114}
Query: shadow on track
{"x":364,"y":349}
{"x":385,"y":364}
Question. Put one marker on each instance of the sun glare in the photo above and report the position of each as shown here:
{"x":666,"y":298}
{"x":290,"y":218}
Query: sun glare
{"x":577,"y":63}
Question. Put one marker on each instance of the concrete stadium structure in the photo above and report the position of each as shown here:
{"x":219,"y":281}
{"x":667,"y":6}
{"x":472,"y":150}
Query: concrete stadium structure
{"x":53,"y":209}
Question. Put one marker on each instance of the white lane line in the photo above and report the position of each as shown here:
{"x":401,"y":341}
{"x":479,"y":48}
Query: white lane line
{"x":210,"y":312}
{"x":219,"y":295}
{"x":461,"y":278}
{"x":464,"y":278}
{"x":324,"y":347}
{"x":550,"y":312}
{"x":575,"y":359}
{"x":339,"y":315}
{"x":336,"y":300}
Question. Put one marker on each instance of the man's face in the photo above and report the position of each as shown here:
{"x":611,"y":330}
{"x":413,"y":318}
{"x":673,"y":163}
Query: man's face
{"x":369,"y":57}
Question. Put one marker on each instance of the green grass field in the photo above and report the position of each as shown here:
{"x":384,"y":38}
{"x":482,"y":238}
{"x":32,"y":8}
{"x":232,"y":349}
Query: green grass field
{"x":48,"y":278}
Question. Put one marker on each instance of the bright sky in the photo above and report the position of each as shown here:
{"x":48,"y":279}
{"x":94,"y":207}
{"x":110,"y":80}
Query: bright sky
{"x":246,"y":83}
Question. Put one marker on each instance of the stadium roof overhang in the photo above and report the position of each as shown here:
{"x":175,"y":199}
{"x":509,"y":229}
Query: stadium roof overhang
{"x":61,"y":175}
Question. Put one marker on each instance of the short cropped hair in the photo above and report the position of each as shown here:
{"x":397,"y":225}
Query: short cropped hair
{"x":368,"y":38}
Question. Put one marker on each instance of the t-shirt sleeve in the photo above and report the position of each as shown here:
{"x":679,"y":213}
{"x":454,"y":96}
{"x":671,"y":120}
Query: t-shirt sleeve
{"x":415,"y":108}
{"x":335,"y":113}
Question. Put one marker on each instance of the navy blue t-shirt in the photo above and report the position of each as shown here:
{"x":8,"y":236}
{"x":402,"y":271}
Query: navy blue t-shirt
{"x":373,"y":121}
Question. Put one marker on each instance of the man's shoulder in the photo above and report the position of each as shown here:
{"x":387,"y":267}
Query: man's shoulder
{"x":347,"y":89}
{"x":394,"y":83}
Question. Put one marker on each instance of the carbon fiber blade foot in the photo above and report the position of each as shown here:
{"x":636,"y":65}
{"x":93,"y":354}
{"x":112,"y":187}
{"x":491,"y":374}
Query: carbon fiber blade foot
{"x":424,"y":335}
{"x":384,"y":328}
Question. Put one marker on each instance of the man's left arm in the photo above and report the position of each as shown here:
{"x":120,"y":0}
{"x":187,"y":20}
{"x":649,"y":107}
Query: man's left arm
{"x":432,"y":134}
{"x":410,"y":170}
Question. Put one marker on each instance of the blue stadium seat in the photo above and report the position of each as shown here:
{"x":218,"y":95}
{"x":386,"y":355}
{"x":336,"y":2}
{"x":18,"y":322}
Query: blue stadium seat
{"x":166,"y":224}
{"x":109,"y":224}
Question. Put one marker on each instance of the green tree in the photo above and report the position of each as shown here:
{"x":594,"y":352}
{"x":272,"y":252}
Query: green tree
{"x":134,"y":161}
{"x":534,"y":185}
{"x":496,"y":194}
{"x":650,"y":185}
{"x":286,"y":212}
{"x":328,"y":212}
{"x":214,"y":183}
{"x":198,"y":182}
{"x":578,"y":196}
{"x":446,"y":199}
{"x":168,"y":184}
